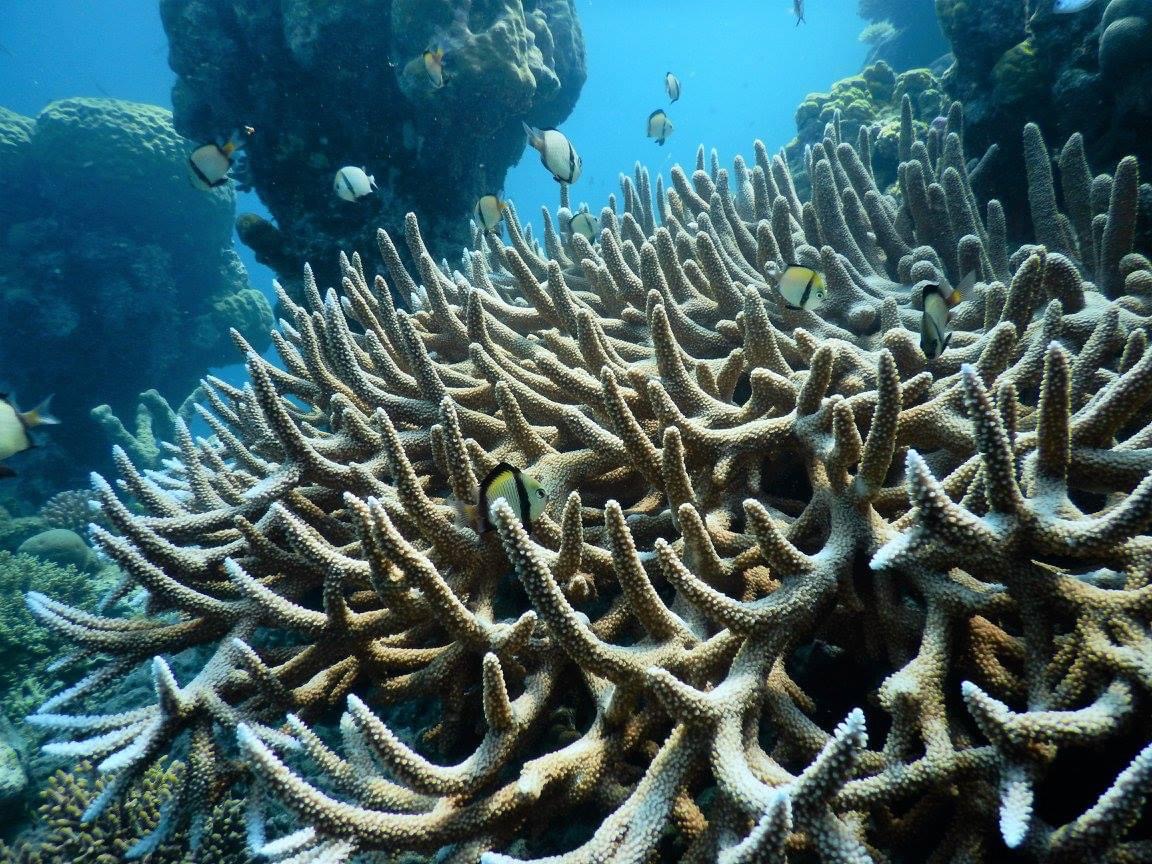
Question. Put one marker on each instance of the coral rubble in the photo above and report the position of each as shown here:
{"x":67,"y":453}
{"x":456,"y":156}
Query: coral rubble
{"x":800,"y":593}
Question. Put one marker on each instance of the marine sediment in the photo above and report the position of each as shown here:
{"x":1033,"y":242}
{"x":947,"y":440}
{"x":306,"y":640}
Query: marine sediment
{"x":800,"y":592}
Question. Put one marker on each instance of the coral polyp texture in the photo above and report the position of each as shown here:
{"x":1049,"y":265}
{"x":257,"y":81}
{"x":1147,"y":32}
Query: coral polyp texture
{"x":800,"y":592}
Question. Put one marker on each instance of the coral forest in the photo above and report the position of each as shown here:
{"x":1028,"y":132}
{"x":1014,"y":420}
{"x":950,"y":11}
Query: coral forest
{"x":800,"y":592}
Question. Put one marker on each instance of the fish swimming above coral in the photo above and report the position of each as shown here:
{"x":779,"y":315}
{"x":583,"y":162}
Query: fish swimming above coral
{"x":15,"y":425}
{"x":352,"y":183}
{"x":659,"y":126}
{"x":672,"y":86}
{"x":584,"y":224}
{"x":489,"y":211}
{"x":209,"y":164}
{"x":801,"y":287}
{"x":556,"y":153}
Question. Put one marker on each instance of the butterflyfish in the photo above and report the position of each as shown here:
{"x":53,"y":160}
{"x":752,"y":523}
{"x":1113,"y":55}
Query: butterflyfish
{"x":935,"y":333}
{"x":489,"y":211}
{"x":209,"y":164}
{"x":556,"y":153}
{"x":523,"y":493}
{"x":801,"y":287}
{"x":434,"y":66}
{"x":585,"y":224}
{"x":14,"y":426}
{"x":352,"y":183}
{"x":659,"y":126}
{"x":671,"y":86}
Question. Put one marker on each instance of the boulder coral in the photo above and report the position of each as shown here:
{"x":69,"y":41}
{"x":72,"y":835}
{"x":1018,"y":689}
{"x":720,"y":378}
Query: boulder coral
{"x":1088,"y":72}
{"x":433,"y":150}
{"x":874,"y":99}
{"x":111,"y":256}
{"x":800,"y":591}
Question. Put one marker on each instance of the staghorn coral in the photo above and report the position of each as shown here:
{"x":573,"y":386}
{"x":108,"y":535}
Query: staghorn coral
{"x":801,"y":592}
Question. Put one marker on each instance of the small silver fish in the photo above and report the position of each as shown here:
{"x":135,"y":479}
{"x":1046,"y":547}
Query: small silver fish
{"x":352,"y":183}
{"x":798,"y":11}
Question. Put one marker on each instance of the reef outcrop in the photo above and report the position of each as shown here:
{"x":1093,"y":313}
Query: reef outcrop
{"x":114,"y":261}
{"x":1088,"y":72}
{"x":433,"y":150}
{"x":800,"y":593}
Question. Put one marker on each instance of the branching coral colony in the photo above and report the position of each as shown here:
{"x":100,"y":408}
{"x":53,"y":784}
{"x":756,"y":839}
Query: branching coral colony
{"x":800,"y":594}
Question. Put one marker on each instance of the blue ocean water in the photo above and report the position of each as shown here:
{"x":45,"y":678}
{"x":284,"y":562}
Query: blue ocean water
{"x":744,"y":66}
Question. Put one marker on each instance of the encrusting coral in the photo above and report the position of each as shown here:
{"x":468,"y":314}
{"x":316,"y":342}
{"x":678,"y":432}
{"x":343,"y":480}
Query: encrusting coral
{"x":800,"y":592}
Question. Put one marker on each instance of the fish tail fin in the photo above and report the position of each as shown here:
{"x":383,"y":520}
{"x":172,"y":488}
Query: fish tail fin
{"x":40,"y":415}
{"x":963,"y":289}
{"x":469,"y":516}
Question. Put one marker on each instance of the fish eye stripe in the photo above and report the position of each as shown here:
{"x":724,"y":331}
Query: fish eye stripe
{"x":807,"y":290}
{"x":525,"y":505}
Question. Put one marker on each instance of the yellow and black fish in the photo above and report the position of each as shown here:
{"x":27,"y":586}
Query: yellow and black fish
{"x":523,"y":493}
{"x":938,"y":302}
{"x":490,"y":211}
{"x":659,"y":126}
{"x":14,"y":426}
{"x":209,"y":164}
{"x":434,"y":66}
{"x":801,"y":287}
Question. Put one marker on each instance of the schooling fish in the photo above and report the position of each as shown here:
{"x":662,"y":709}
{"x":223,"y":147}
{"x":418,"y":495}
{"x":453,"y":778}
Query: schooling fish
{"x":798,"y":11}
{"x":489,"y":211}
{"x":671,"y":86}
{"x":434,"y":65}
{"x":14,"y":426}
{"x":352,"y":183}
{"x":556,"y":153}
{"x":938,"y":302}
{"x":801,"y":287}
{"x":208,"y":165}
{"x":659,"y":126}
{"x":586,"y":224}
